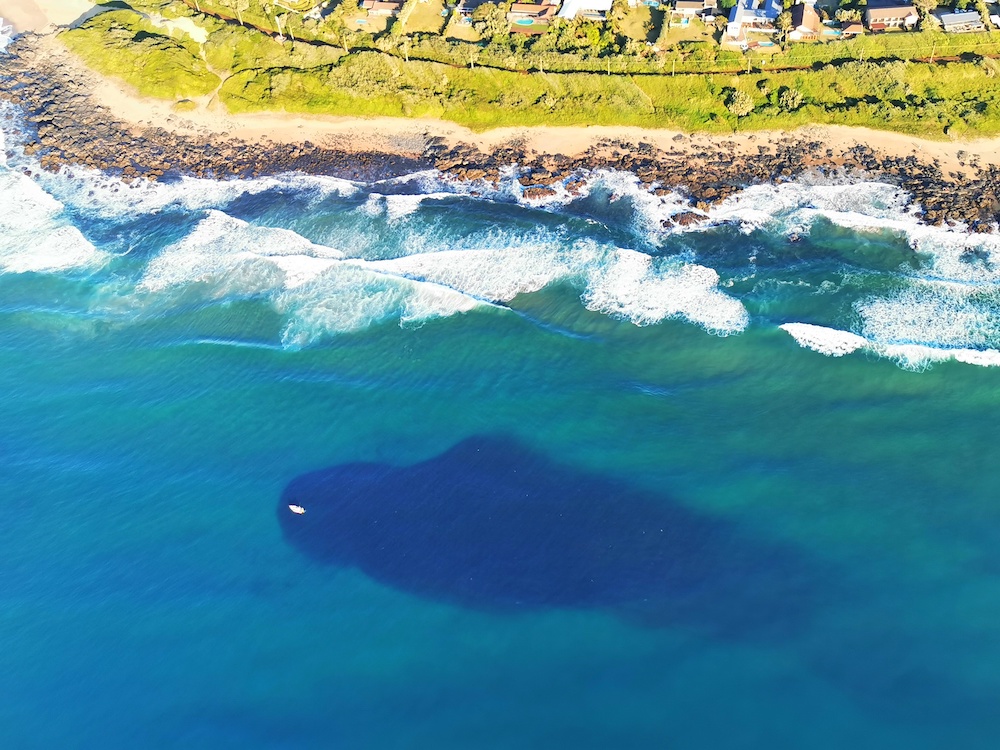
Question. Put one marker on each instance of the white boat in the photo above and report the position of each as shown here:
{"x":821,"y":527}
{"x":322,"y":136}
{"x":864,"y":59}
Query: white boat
{"x":297,"y":509}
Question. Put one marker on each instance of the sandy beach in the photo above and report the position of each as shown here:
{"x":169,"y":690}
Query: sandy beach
{"x":38,"y":15}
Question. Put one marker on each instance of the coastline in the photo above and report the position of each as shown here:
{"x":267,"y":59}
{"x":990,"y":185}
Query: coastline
{"x":81,"y":117}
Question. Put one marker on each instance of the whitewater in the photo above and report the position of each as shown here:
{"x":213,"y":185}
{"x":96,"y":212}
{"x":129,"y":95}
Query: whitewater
{"x":347,"y":255}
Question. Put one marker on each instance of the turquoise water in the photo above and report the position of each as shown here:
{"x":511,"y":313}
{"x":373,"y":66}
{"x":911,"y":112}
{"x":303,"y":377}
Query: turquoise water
{"x":173,"y":358}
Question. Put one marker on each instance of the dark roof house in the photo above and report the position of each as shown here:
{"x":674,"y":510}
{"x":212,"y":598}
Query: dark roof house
{"x":806,"y":23}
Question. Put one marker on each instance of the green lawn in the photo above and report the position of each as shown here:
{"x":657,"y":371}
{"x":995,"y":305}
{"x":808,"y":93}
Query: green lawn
{"x":642,"y":24}
{"x":460,"y":30}
{"x":426,"y":18}
{"x":673,"y":32}
{"x":368,"y":24}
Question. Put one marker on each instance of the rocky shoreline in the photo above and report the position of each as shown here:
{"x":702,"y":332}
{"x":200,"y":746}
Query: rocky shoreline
{"x":67,"y":127}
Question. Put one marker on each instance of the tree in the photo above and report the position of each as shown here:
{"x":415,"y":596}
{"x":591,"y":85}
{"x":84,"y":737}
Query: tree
{"x":617,"y":16}
{"x":491,"y":21}
{"x":241,"y":7}
{"x":984,"y":12}
{"x":783,"y":23}
{"x":740,"y":104}
{"x":790,"y":99}
{"x":348,"y":38}
{"x":925,"y":7}
{"x":387,"y":42}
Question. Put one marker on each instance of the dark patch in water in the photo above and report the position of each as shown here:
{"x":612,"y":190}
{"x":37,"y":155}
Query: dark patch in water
{"x":492,"y":525}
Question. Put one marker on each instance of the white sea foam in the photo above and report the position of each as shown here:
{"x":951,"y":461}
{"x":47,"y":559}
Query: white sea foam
{"x":34,"y":234}
{"x":620,"y":282}
{"x":95,"y":193}
{"x":943,"y":309}
{"x":793,"y":206}
{"x":493,"y":274}
{"x":349,"y":297}
{"x":318,"y":291}
{"x":227,"y":256}
{"x":836,"y":343}
{"x":828,"y":341}
{"x":637,"y":287}
{"x":929,"y":313}
{"x":396,"y":207}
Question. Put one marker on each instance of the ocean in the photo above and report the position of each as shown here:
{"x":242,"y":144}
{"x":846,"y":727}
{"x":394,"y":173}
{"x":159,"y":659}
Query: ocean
{"x":572,"y":477}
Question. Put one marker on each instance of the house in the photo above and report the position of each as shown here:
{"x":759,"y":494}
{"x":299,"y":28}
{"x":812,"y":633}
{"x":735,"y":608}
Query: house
{"x":852,"y":28}
{"x":381,"y":7}
{"x":752,"y":15}
{"x":594,"y":10}
{"x":956,"y":23}
{"x":806,"y":23}
{"x":533,"y":12}
{"x":890,"y":14}
{"x":693,"y":8}
{"x":467,"y":7}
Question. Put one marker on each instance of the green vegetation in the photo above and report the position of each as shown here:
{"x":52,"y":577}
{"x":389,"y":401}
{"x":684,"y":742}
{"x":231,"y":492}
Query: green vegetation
{"x":124,"y":44}
{"x":573,"y":73}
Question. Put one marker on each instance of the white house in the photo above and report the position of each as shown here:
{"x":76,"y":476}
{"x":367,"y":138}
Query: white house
{"x":756,"y":15}
{"x":596,"y":10}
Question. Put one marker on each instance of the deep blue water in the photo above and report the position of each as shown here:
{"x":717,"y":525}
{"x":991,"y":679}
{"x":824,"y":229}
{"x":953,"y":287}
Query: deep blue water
{"x":567,"y":481}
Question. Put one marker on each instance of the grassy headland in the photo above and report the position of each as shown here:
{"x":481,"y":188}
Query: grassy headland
{"x":562,"y":77}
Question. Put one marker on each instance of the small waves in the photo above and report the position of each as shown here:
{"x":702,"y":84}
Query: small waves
{"x":331,"y":256}
{"x":836,"y":343}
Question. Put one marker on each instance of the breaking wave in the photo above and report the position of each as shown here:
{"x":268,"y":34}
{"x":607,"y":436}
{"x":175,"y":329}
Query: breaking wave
{"x":35,"y":234}
{"x":349,"y":255}
{"x":837,"y":343}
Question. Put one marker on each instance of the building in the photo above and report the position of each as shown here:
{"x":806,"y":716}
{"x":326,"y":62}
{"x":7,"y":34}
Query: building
{"x":957,"y":23}
{"x":806,"y":23}
{"x":752,"y":15}
{"x":534,"y":12}
{"x":852,"y":28}
{"x":467,"y":7}
{"x":594,"y":10}
{"x":381,"y":7}
{"x":693,"y":8}
{"x":890,"y":14}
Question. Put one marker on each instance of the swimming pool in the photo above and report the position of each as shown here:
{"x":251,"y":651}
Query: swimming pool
{"x":524,"y":22}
